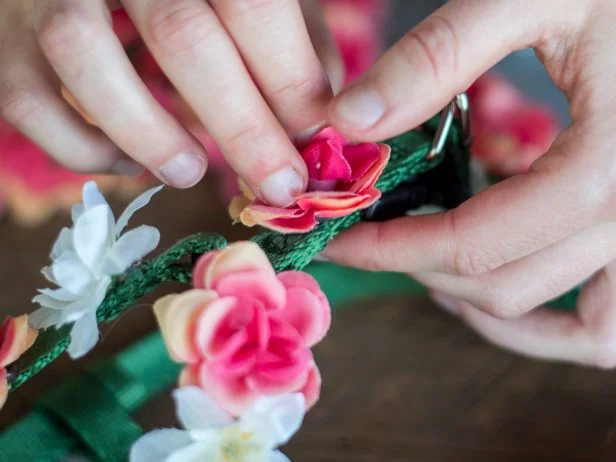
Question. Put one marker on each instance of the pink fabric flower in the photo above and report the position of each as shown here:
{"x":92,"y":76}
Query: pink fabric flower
{"x":341,"y":180}
{"x":15,"y":338}
{"x":509,"y":132}
{"x":245,"y":332}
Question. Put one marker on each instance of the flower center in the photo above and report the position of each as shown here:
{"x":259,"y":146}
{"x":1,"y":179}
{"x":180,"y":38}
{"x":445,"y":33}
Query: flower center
{"x":238,"y":445}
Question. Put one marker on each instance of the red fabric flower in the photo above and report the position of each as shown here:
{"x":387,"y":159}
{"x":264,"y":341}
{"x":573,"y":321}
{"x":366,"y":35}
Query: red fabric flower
{"x":15,"y":338}
{"x":341,"y":180}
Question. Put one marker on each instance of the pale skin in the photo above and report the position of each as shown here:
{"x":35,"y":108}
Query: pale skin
{"x":494,"y":261}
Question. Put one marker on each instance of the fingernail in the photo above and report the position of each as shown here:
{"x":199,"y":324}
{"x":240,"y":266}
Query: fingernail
{"x":184,"y":170}
{"x":360,"y":107}
{"x":304,"y":137}
{"x":446,"y":302}
{"x":128,"y":168}
{"x":282,"y":187}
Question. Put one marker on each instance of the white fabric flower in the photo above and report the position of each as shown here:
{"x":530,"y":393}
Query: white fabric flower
{"x":212,"y":436}
{"x":84,"y":258}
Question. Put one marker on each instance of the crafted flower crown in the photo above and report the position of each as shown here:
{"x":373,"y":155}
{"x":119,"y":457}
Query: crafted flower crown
{"x":242,"y":333}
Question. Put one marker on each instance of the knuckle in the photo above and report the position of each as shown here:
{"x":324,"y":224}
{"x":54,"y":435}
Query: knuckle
{"x":463,"y":259}
{"x":300,"y":87}
{"x":66,"y":35}
{"x":434,"y":42}
{"x":177,"y":26}
{"x":19,"y":104}
{"x":248,"y":134}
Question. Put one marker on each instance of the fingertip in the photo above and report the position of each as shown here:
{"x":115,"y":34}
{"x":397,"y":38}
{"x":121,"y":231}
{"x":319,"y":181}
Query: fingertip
{"x":183,"y":170}
{"x":357,"y":109}
{"x":282,"y":187}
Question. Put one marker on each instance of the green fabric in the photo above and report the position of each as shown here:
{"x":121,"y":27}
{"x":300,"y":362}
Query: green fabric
{"x":91,"y":411}
{"x":408,"y":157}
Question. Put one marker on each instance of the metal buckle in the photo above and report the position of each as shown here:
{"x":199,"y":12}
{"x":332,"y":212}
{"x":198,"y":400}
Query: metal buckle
{"x":460,"y":105}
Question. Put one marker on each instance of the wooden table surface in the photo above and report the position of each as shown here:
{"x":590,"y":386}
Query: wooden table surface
{"x":402,"y":380}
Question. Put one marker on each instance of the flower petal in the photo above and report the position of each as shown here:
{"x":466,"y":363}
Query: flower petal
{"x":369,"y":179}
{"x":158,"y":445}
{"x":16,"y":336}
{"x":130,"y":248}
{"x":361,"y":157}
{"x":312,"y":388}
{"x":240,"y":256}
{"x":177,"y":316}
{"x":48,"y":274}
{"x":93,"y":235}
{"x":230,"y":392}
{"x":76,"y":211}
{"x":63,"y":243}
{"x":334,"y":204}
{"x":276,"y":419}
{"x":196,"y":452}
{"x":307,"y":307}
{"x":50,"y":302}
{"x":45,"y":317}
{"x":84,"y":336}
{"x":216,"y":325}
{"x":291,"y":219}
{"x":60,"y":294}
{"x":72,"y":274}
{"x":264,"y":288}
{"x":92,"y":197}
{"x":89,"y":304}
{"x":134,"y":206}
{"x":197,"y":411}
{"x":277,"y":456}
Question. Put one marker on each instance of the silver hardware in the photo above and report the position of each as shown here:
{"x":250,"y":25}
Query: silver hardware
{"x":461,"y":106}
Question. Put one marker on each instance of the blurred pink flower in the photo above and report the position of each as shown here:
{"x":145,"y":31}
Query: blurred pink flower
{"x":341,"y":181}
{"x":509,"y":131}
{"x":245,"y":332}
{"x":15,"y":338}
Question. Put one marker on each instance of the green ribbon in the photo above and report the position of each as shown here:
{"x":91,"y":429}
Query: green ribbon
{"x":90,"y":412}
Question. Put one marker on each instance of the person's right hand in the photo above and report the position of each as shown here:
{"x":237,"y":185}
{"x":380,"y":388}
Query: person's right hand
{"x":499,"y":257}
{"x":249,"y":69}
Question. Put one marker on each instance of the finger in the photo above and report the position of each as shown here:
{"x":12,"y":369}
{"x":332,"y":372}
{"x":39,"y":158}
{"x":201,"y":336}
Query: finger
{"x":586,"y":337}
{"x":324,"y":43}
{"x":272,"y":37}
{"x":522,"y":285}
{"x":507,"y":221}
{"x":200,"y":58}
{"x":79,"y":42}
{"x":30,"y":101}
{"x":438,"y":59}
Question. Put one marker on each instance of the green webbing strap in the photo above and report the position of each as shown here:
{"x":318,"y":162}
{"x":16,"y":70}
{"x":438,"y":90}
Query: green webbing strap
{"x":91,"y":412}
{"x":88,"y":410}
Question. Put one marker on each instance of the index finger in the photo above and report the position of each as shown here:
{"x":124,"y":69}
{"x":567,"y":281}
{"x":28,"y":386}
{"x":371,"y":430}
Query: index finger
{"x":505,"y":222}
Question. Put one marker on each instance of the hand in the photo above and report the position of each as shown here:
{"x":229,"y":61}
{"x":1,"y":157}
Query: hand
{"x":249,"y":70}
{"x":525,"y":241}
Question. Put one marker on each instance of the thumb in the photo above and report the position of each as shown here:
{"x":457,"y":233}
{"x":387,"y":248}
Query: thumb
{"x":438,"y":59}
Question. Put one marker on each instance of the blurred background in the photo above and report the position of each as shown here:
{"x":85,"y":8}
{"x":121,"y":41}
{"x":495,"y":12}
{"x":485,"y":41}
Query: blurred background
{"x":402,"y":380}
